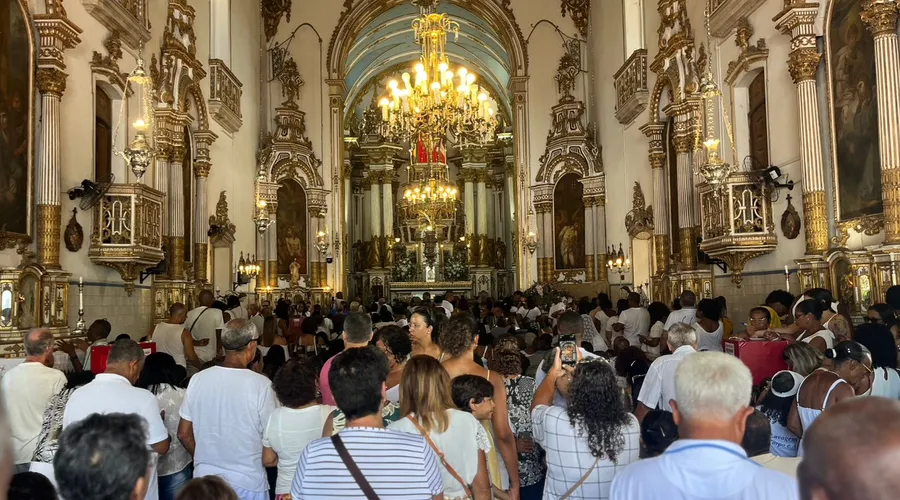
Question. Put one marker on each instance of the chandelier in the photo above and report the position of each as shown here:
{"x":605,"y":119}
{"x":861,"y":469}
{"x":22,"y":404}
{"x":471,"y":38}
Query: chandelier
{"x":261,"y":218}
{"x":714,"y":170}
{"x":618,"y":262}
{"x":140,"y":151}
{"x":433,"y":102}
{"x":429,"y":199}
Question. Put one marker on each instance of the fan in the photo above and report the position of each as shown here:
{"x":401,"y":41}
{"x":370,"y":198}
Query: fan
{"x":768,"y":175}
{"x":90,"y":192}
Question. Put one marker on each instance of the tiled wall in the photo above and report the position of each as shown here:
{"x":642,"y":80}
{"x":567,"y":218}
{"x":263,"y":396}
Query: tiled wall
{"x":753,"y":291}
{"x":131,"y":315}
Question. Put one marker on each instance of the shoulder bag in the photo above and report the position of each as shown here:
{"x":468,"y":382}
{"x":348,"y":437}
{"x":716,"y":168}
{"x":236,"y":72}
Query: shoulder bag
{"x":581,"y":481}
{"x":440,"y":455}
{"x":353,"y":468}
{"x":191,"y":329}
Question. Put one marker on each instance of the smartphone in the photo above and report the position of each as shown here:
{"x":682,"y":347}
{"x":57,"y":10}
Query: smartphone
{"x":568,"y":350}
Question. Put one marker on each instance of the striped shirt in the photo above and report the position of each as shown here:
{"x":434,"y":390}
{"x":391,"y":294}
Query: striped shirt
{"x":398,"y":465}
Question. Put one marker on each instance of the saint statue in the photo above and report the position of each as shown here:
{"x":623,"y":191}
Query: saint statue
{"x":295,"y":273}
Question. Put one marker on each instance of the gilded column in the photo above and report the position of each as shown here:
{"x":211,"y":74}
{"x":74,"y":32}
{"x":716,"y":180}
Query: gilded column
{"x":366,"y":205}
{"x":686,"y":242}
{"x":176,"y":214}
{"x":798,"y":22}
{"x":163,"y":155}
{"x":881,"y":17}
{"x":387,"y":187}
{"x":589,"y":250}
{"x":271,"y":247}
{"x":375,"y":204}
{"x":662,"y":222}
{"x":599,"y":210}
{"x":57,"y":34}
{"x":481,"y":211}
{"x":201,"y":222}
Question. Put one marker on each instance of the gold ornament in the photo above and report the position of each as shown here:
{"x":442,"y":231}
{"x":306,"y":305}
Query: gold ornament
{"x":48,"y":222}
{"x":816,"y":222}
{"x":890,"y":193}
{"x":51,"y":81}
{"x":880,"y":17}
{"x":74,"y":234}
{"x":804,"y":64}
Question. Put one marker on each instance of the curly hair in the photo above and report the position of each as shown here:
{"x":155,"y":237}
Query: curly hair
{"x":396,"y":340}
{"x":295,"y":383}
{"x":595,"y":408}
{"x":458,"y":334}
{"x":507,"y":360}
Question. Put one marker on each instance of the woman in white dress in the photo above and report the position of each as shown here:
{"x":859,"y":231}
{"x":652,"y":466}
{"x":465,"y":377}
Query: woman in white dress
{"x":456,"y":437}
{"x":808,"y":316}
{"x":884,"y":380}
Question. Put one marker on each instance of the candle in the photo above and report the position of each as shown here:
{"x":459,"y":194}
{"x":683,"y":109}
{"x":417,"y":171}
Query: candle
{"x":786,"y":271}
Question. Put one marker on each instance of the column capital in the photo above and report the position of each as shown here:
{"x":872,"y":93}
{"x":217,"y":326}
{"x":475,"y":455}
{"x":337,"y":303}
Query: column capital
{"x":201,"y":168}
{"x":467,"y":175}
{"x":178,"y":153}
{"x":51,"y":81}
{"x":57,"y":34}
{"x":657,"y":159}
{"x":683,"y":144}
{"x":880,"y":17}
{"x":803,"y":64}
{"x":474,"y":154}
{"x":654,"y":132}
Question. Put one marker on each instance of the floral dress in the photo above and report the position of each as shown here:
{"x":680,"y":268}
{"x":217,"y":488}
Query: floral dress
{"x":519,"y":395}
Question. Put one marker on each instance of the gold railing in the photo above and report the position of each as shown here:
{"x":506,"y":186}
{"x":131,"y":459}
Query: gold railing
{"x":630,"y":82}
{"x":737,"y":221}
{"x":127,"y":234}
{"x":224,"y":95}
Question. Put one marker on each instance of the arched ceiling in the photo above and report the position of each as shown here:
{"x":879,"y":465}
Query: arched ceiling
{"x":388,"y":43}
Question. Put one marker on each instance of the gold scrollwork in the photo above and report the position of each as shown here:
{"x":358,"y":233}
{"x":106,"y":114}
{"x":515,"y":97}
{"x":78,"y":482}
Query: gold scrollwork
{"x":51,"y":81}
{"x":815,"y":222}
{"x":890,"y":182}
{"x":804,"y":63}
{"x":48,"y":219}
{"x":881,"y":17}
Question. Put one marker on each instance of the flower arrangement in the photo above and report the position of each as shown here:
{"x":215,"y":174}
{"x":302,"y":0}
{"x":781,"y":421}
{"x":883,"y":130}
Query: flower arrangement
{"x":455,"y":269}
{"x":404,"y":268}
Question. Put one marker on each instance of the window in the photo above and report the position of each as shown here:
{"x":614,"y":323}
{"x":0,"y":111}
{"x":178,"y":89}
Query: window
{"x":102,"y":135}
{"x":756,"y":118}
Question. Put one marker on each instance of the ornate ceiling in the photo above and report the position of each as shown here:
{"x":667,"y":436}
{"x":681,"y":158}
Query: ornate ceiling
{"x":387,"y":45}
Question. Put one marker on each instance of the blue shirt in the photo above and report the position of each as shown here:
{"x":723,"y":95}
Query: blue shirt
{"x":702,"y":469}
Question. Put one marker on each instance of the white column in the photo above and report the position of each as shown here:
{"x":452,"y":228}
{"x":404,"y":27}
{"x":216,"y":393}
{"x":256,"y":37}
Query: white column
{"x":481,"y":212}
{"x":201,"y":226}
{"x":685,"y":158}
{"x":589,"y":231}
{"x":881,"y":18}
{"x":348,"y":204}
{"x":375,"y":207}
{"x":387,"y":187}
{"x":49,"y":212}
{"x":162,"y":183}
{"x":366,"y":221}
{"x":470,"y":204}
{"x":272,"y":252}
{"x":176,"y":197}
{"x":490,"y":202}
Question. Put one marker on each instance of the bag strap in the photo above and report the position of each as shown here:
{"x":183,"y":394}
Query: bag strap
{"x":581,"y":481}
{"x":191,"y":329}
{"x":353,"y":468}
{"x":440,"y":455}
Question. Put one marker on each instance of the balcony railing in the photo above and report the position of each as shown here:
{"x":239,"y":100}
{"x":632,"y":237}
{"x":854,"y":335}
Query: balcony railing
{"x":631,"y":87}
{"x":127,"y":233}
{"x":224,"y":96}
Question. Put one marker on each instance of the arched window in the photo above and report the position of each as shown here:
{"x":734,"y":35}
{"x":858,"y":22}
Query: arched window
{"x":756,"y":118}
{"x":102,"y":135}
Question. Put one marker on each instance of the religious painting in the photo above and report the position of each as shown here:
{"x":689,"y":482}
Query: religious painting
{"x":854,"y":112}
{"x":290,"y":226}
{"x":568,"y":222}
{"x":16,"y":105}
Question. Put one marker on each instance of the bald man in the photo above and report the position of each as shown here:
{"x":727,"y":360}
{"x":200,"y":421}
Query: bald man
{"x":205,"y":323}
{"x":26,"y":389}
{"x":172,"y":338}
{"x":851,"y":452}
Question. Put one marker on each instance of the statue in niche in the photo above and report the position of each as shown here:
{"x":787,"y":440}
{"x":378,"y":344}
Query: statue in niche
{"x":291,"y":228}
{"x":295,"y":273}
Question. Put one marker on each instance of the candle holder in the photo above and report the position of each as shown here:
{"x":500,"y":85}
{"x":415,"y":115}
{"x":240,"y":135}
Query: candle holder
{"x":80,"y":326}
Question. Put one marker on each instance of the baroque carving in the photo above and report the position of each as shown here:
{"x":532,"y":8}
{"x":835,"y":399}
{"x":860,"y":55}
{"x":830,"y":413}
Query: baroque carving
{"x":220,"y":226}
{"x":108,"y":65}
{"x":51,"y":81}
{"x":639,"y":221}
{"x":568,"y":70}
{"x":880,"y":17}
{"x":804,"y":63}
{"x":750,"y":53}
{"x":580,"y":12}
{"x":630,"y":82}
{"x":289,"y":75}
{"x":129,"y":18}
{"x":271,"y":12}
{"x":225,"y":96}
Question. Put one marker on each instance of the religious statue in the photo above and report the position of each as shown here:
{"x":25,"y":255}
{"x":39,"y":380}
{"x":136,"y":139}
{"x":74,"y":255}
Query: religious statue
{"x":295,"y":274}
{"x":500,"y":254}
{"x":359,"y":255}
{"x":375,"y":257}
{"x":485,"y":251}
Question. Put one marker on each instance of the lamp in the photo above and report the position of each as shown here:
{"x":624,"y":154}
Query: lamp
{"x":140,"y":151}
{"x":321,"y":242}
{"x":529,"y":239}
{"x":245,"y":270}
{"x":714,"y":170}
{"x":618,"y":261}
{"x":261,"y":218}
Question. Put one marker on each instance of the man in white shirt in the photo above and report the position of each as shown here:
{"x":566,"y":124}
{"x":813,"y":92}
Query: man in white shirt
{"x":447,"y":303}
{"x":104,"y":456}
{"x":26,"y":389}
{"x":757,"y":442}
{"x":569,"y":324}
{"x":113,"y":391}
{"x":97,"y":335}
{"x":225,"y":411}
{"x":634,"y":321}
{"x":850,"y":452}
{"x":688,"y":312}
{"x":171,"y":338}
{"x":710,"y":409}
{"x":256,"y":317}
{"x":235,"y":309}
{"x":659,"y":383}
{"x":205,"y":323}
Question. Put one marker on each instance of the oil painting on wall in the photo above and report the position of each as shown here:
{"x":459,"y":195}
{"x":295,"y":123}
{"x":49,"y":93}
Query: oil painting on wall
{"x":568,"y":218}
{"x":290,"y":225}
{"x":15,"y":117}
{"x":851,"y":59}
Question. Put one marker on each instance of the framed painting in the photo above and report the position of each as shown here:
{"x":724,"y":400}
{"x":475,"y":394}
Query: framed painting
{"x":568,"y":222}
{"x":290,"y":227}
{"x":853,"y":110}
{"x":16,"y":123}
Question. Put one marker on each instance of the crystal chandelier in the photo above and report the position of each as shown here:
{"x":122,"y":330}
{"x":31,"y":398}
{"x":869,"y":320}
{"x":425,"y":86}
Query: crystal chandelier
{"x":429,"y":199}
{"x":618,"y":262}
{"x":433,"y":102}
{"x":140,"y":151}
{"x":714,"y":170}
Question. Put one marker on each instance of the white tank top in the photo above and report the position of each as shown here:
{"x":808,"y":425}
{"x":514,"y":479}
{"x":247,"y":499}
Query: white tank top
{"x":826,"y":335}
{"x":168,"y":339}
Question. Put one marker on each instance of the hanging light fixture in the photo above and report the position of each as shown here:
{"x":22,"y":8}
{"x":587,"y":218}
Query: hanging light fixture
{"x":433,"y":101}
{"x":261,"y":218}
{"x":141,"y":150}
{"x":322,"y":242}
{"x":714,"y":169}
{"x":429,"y":199}
{"x":618,"y":261}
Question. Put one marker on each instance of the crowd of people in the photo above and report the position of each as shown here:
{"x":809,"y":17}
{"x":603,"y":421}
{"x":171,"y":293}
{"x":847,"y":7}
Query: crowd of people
{"x":457,"y":398}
